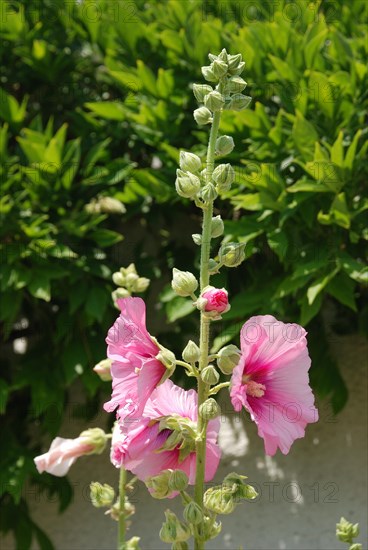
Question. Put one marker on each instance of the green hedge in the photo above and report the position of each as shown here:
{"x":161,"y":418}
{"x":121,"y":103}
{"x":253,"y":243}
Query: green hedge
{"x":95,"y":102}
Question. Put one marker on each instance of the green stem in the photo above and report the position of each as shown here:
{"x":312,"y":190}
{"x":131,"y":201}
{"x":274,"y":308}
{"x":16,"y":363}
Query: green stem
{"x":122,"y":526}
{"x":203,"y":388}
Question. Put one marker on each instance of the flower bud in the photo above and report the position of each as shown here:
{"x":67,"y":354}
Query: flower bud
{"x":209,"y":74}
{"x":219,"y":68}
{"x":229,"y":357}
{"x":346,"y":531}
{"x":187,"y":185}
{"x":166,"y":357}
{"x":184,"y":283}
{"x":224,"y":176}
{"x":236,"y":85}
{"x":219,"y":500}
{"x":200,"y":91}
{"x":197,"y":238}
{"x":212,"y":266}
{"x":158,"y":486}
{"x":232,"y":254}
{"x":132,"y":544}
{"x":141,"y":284}
{"x":189,"y":162}
{"x":191,"y":352}
{"x":237,"y":70}
{"x":109,"y":205}
{"x":224,"y":145}
{"x":96,"y":438}
{"x":210,"y":375}
{"x":238,"y":102}
{"x":178,"y":480}
{"x":217,"y":227}
{"x":101,"y":495}
{"x":202,"y":116}
{"x":103,"y":370}
{"x":217,"y":299}
{"x":356,"y":546}
{"x":118,"y":278}
{"x":179,"y":546}
{"x":174,"y":530}
{"x":193,"y":513}
{"x":120,"y":293}
{"x":234,"y":60}
{"x":209,"y":409}
{"x":131,"y":279}
{"x":214,"y":101}
{"x":208,"y":193}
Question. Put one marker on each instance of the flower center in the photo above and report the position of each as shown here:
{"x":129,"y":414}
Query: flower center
{"x":254,"y":389}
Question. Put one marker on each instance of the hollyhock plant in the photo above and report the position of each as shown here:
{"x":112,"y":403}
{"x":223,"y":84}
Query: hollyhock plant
{"x":155,"y":443}
{"x":217,"y":299}
{"x":135,"y":369}
{"x":271,"y":381}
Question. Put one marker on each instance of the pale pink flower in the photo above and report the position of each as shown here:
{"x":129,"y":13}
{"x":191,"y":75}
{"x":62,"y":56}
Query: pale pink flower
{"x":135,"y":445}
{"x":135,"y":370}
{"x":62,"y":454}
{"x":271,"y":381}
{"x":217,"y":300}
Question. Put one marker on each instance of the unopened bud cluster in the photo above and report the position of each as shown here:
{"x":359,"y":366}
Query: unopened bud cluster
{"x":128,"y":282}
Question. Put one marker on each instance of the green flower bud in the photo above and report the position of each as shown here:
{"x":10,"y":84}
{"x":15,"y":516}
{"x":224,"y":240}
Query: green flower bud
{"x":132,"y":544}
{"x":209,"y":74}
{"x":219,"y":499}
{"x":120,"y":293}
{"x":178,"y":480}
{"x":118,"y":278}
{"x":219,"y":68}
{"x":202,"y":116}
{"x":193,"y":513}
{"x":174,"y":530}
{"x":101,"y":495}
{"x":189,"y":162}
{"x":214,"y":101}
{"x":238,"y":70}
{"x":187,"y":185}
{"x":346,"y":531}
{"x":191,"y":352}
{"x":217,"y":227}
{"x":236,"y":84}
{"x":224,"y":145}
{"x":184,"y":283}
{"x":355,"y":546}
{"x":179,"y":546}
{"x":95,"y":437}
{"x":212,"y":266}
{"x":103,"y":370}
{"x":240,"y":490}
{"x":238,"y":102}
{"x":229,"y":357}
{"x":211,"y":529}
{"x":131,"y":279}
{"x":201,"y":90}
{"x":210,"y":375}
{"x":208,"y":193}
{"x":158,"y":485}
{"x":166,"y":357}
{"x":232,"y":254}
{"x":234,"y":60}
{"x":209,"y":409}
{"x":141,"y":284}
{"x":224,"y":176}
{"x":197,"y":238}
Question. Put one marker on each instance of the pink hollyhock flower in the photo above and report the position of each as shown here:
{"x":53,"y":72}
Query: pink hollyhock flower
{"x":137,"y":445}
{"x":62,"y":454}
{"x":217,"y":300}
{"x":271,"y":381}
{"x":135,"y":370}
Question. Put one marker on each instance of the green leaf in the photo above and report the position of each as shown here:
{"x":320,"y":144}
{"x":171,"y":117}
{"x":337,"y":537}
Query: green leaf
{"x":342,"y":288}
{"x":108,"y":109}
{"x":39,"y":286}
{"x":106,"y":237}
{"x":178,"y":307}
{"x":4,"y":394}
{"x":312,"y":48}
{"x":309,"y":311}
{"x":318,"y":285}
{"x":96,"y":303}
{"x":305,"y":136}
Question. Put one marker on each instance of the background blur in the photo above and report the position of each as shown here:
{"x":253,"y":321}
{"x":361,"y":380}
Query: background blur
{"x":96,"y":102}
